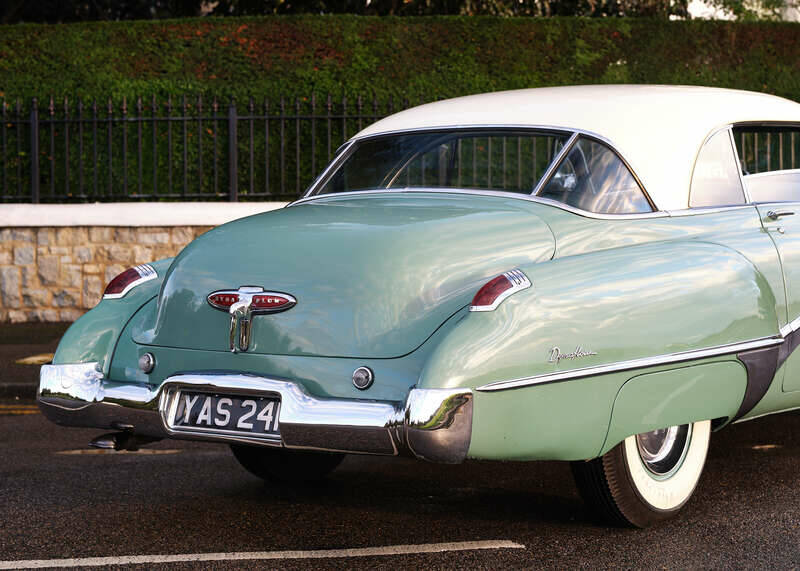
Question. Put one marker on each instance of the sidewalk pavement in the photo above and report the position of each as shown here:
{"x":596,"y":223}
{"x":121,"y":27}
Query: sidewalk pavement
{"x":17,"y":342}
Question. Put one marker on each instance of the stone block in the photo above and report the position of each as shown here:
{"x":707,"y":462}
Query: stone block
{"x":65,"y":298}
{"x":68,"y":315}
{"x":47,"y":315}
{"x":113,"y":271}
{"x":120,"y":254}
{"x":17,"y":316}
{"x":182,"y":235}
{"x":48,"y":269}
{"x":72,"y":236}
{"x":28,"y":274}
{"x":124,"y":235}
{"x":92,"y":269}
{"x":92,"y":291}
{"x":142,"y":255}
{"x":45,"y":236}
{"x":83,"y":254}
{"x":10,"y":287}
{"x":71,"y":275}
{"x":23,"y":234}
{"x":60,"y":250}
{"x":101,"y":235}
{"x":5,"y":258}
{"x":24,"y":255}
{"x":5,"y":236}
{"x":153,"y":238}
{"x":36,"y":298}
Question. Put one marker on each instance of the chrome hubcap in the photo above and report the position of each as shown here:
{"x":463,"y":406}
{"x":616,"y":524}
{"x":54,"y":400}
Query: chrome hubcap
{"x":663,"y":450}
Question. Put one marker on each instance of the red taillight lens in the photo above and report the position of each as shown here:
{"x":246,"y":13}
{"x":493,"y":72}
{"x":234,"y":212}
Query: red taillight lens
{"x":223,"y":300}
{"x":128,"y":279}
{"x":497,"y":289}
{"x":270,"y":301}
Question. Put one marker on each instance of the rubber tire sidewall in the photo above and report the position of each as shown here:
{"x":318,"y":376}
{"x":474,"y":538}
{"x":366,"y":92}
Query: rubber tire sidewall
{"x":670,"y":494}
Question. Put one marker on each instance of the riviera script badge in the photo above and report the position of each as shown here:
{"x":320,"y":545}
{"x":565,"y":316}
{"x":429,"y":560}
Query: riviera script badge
{"x":556,"y":356}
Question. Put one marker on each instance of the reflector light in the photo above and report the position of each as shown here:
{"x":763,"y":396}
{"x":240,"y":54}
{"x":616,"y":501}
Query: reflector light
{"x":499,"y":288}
{"x":128,"y":280}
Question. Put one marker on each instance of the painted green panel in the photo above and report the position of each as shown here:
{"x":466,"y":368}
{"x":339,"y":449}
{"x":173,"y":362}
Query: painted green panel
{"x":559,"y":421}
{"x":620,"y":304}
{"x":679,"y":396}
{"x":373,"y":276}
{"x":93,"y":336}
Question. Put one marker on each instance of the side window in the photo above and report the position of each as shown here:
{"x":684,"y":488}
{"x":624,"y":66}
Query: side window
{"x":715,"y":180}
{"x":593,"y":178}
{"x":770,"y":159}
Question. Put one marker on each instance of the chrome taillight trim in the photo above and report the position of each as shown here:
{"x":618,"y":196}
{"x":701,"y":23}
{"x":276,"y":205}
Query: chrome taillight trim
{"x":519,"y":281}
{"x":146,"y":273}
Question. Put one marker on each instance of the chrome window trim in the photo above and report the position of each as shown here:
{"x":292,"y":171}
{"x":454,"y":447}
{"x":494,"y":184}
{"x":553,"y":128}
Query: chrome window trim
{"x":146,"y":273}
{"x":632,"y":364}
{"x":555,"y":163}
{"x":572,"y":133}
{"x":698,"y":210}
{"x":747,"y":196}
{"x":497,"y":193}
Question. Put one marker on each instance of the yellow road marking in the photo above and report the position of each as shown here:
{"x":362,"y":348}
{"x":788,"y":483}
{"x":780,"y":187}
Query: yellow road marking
{"x":9,"y":409}
{"x":40,"y":359}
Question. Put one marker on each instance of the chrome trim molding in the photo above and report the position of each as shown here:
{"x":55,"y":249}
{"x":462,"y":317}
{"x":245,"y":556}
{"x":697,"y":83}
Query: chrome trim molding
{"x":431,"y":424}
{"x":631,"y":364}
{"x":146,"y":273}
{"x":518,"y":280}
{"x":497,"y":193}
{"x":555,"y":163}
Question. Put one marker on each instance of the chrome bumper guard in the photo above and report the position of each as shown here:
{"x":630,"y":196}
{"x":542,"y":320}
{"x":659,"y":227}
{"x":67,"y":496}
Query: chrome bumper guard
{"x":432,"y":424}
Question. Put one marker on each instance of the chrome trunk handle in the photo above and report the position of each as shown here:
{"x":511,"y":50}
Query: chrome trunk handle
{"x":775,"y":214}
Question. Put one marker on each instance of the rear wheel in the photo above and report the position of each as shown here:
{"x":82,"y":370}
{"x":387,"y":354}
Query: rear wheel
{"x":284,"y":466}
{"x":646,"y":478}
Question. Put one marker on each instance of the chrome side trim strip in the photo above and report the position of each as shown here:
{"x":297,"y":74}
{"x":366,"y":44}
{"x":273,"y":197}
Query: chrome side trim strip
{"x":632,"y":364}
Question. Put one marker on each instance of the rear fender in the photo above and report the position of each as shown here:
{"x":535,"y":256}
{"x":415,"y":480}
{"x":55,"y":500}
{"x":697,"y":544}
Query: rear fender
{"x":595,"y":309}
{"x":94,"y":335}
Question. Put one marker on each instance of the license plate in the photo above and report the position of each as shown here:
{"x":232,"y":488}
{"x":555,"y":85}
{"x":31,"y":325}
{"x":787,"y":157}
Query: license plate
{"x":227,"y":413}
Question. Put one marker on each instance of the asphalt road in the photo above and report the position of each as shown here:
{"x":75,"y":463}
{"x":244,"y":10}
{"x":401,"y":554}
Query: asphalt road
{"x":191,"y":498}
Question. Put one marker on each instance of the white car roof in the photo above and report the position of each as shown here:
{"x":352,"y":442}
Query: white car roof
{"x":658,"y":129}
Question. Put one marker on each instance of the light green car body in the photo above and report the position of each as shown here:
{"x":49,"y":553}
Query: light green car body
{"x":659,"y":320}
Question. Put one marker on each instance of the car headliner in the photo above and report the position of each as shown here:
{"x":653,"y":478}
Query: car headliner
{"x":658,"y":129}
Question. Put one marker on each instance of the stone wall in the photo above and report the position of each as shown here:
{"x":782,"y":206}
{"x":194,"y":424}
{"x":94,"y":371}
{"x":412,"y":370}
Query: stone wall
{"x":58,"y":273}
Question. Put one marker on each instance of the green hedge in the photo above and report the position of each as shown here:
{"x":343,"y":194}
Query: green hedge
{"x":418,"y":58}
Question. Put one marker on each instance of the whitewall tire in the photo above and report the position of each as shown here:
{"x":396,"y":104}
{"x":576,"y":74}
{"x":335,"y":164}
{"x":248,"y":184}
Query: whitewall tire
{"x":646,"y":478}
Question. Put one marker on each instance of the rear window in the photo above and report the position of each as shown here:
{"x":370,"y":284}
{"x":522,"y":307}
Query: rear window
{"x":502,"y":160}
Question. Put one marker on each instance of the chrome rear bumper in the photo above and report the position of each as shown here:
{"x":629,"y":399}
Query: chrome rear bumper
{"x":432,"y":424}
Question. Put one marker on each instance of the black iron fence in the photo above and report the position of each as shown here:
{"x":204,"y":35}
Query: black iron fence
{"x":185,"y":149}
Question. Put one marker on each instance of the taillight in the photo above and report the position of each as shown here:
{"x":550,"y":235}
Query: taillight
{"x":129,"y":279}
{"x":271,"y":301}
{"x":497,"y":289}
{"x":223,"y":300}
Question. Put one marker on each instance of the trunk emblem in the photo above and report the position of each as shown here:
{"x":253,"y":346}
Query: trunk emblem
{"x":242,"y":305}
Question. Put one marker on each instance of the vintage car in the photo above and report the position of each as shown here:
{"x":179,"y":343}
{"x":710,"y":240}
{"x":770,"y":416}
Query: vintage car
{"x":601,"y":274}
